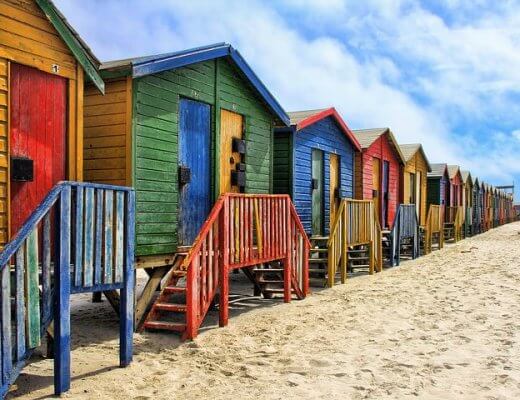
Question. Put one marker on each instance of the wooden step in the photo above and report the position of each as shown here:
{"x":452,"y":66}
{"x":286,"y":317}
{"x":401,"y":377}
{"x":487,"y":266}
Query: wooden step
{"x":318,"y":270}
{"x":318,"y":260}
{"x":319,"y":250}
{"x":277,"y":290}
{"x":267,"y":281}
{"x":165,"y":326}
{"x":180,"y":308}
{"x":267,"y":270}
{"x":174,"y":289}
{"x":359,"y":266}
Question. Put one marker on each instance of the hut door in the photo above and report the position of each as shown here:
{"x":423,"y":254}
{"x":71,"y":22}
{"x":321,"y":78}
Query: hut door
{"x":417,"y":189}
{"x":194,"y":168}
{"x":317,"y":192}
{"x":376,"y":185}
{"x":385,"y":190}
{"x":231,"y":126}
{"x":334,"y":186}
{"x":38,"y":136}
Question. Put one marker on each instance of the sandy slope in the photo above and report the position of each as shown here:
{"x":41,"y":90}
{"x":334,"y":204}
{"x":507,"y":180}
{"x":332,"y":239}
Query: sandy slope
{"x":446,"y":326}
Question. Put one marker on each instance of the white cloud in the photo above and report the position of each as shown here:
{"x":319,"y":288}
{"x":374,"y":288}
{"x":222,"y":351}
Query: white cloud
{"x":382,"y":58}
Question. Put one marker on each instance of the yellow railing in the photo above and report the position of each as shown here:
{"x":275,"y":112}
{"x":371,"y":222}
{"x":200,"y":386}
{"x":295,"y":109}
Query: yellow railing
{"x":355,"y":224}
{"x":434,"y":225}
{"x":455,"y":216}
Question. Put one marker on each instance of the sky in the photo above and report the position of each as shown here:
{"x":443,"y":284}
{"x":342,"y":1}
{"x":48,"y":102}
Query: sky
{"x":444,"y":73}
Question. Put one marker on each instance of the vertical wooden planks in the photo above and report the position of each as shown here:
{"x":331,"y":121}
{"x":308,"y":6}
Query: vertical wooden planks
{"x":62,"y":293}
{"x":20,"y":303}
{"x":78,"y":243}
{"x":7,"y":360}
{"x":108,"y":237}
{"x":46,"y":269}
{"x":119,"y":237}
{"x":224,"y":266}
{"x":99,"y":235}
{"x":32,"y":291}
{"x":89,"y":238}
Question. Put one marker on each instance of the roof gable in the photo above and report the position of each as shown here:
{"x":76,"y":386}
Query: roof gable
{"x":303,"y":119}
{"x":367,"y":137}
{"x":466,"y":177}
{"x":438,"y":170}
{"x":409,"y":150}
{"x":453,"y":171}
{"x":142,"y":66}
{"x":76,"y":45}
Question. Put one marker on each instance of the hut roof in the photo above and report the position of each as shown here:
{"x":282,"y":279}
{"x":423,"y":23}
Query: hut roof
{"x":409,"y":151}
{"x":142,"y":66}
{"x":366,"y":137}
{"x":465,"y":176}
{"x":453,"y":170}
{"x":438,"y":170}
{"x":76,"y":45}
{"x":302,"y":119}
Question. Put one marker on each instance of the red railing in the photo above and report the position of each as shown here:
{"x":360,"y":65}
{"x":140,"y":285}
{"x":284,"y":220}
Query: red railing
{"x":241,"y":231}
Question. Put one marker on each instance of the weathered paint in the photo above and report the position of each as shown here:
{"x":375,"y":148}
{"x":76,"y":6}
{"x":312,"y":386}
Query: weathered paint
{"x":454,"y":192}
{"x":417,"y":166}
{"x":292,"y":165}
{"x":231,"y":126}
{"x":380,"y":149}
{"x":335,"y":185}
{"x":150,"y":150}
{"x":194,"y":153}
{"x":38,"y":132}
{"x":29,"y":38}
{"x":317,"y":203}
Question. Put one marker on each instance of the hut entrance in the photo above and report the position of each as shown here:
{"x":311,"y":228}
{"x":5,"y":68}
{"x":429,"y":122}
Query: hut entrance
{"x":231,"y":151}
{"x":38,"y":138}
{"x":194,"y":168}
{"x":334,"y":186}
{"x":317,"y":192}
{"x":376,"y":185}
{"x":385,"y":192}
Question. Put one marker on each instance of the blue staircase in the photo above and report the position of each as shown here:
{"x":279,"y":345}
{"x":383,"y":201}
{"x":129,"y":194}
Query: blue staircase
{"x":404,"y":232}
{"x":79,"y":239}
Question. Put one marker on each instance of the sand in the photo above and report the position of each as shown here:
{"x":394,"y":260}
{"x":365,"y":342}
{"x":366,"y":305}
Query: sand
{"x":445,"y":326}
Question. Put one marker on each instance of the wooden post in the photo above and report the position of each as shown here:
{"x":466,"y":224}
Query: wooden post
{"x":224,"y":264}
{"x":287,"y":281}
{"x":126,"y":310}
{"x":344,"y":245}
{"x":62,"y":293}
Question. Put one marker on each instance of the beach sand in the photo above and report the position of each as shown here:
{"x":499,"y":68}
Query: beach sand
{"x":445,"y":326}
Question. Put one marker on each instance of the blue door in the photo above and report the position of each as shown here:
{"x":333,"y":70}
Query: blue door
{"x":194,"y":168}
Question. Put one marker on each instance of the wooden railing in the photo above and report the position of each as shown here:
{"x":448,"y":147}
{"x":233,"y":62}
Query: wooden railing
{"x":355,"y":224}
{"x":477,"y":219}
{"x":79,"y":239}
{"x":468,"y":221}
{"x":405,"y":226}
{"x":241,"y":231}
{"x":434,"y":226}
{"x":455,"y":216}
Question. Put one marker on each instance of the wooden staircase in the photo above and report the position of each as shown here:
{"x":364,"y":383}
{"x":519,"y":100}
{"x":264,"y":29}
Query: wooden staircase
{"x":358,"y":259}
{"x":168,"y":312}
{"x":318,"y":259}
{"x":259,"y":234}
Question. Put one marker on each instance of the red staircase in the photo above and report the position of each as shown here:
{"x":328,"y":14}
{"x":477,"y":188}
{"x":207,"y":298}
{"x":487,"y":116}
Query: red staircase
{"x":243,"y":231}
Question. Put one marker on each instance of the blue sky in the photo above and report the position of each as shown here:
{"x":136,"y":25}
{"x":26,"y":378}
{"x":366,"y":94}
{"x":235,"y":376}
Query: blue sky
{"x":445,"y":73}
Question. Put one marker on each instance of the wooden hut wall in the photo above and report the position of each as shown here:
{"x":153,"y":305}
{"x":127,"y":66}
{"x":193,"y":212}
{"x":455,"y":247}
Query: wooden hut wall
{"x":416,"y":164}
{"x":455,"y":191}
{"x":324,"y":135}
{"x":108,"y":133}
{"x":147,"y":154}
{"x":383,"y":150}
{"x":29,"y":39}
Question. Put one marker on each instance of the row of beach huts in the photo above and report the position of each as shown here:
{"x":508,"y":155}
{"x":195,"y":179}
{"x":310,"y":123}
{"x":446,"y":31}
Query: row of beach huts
{"x":184,"y":165}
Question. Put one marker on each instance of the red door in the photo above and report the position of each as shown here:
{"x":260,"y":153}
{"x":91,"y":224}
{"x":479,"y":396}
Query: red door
{"x":38,"y":132}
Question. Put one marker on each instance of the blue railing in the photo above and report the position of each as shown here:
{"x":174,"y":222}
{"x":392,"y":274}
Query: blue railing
{"x":406,"y":226}
{"x":79,"y":239}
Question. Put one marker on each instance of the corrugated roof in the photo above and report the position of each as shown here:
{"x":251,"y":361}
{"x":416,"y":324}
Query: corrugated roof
{"x":409,"y":150}
{"x":142,"y":66}
{"x":438,"y":170}
{"x":366,"y":137}
{"x":452,"y":170}
{"x":465,"y":176}
{"x":303,"y":119}
{"x":298,"y":116}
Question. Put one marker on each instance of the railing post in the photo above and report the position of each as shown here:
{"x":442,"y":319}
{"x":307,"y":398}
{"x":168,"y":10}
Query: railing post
{"x":62,"y":293}
{"x":126,"y":311}
{"x":224,"y":265}
{"x":287,"y":284}
{"x":344,"y":246}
